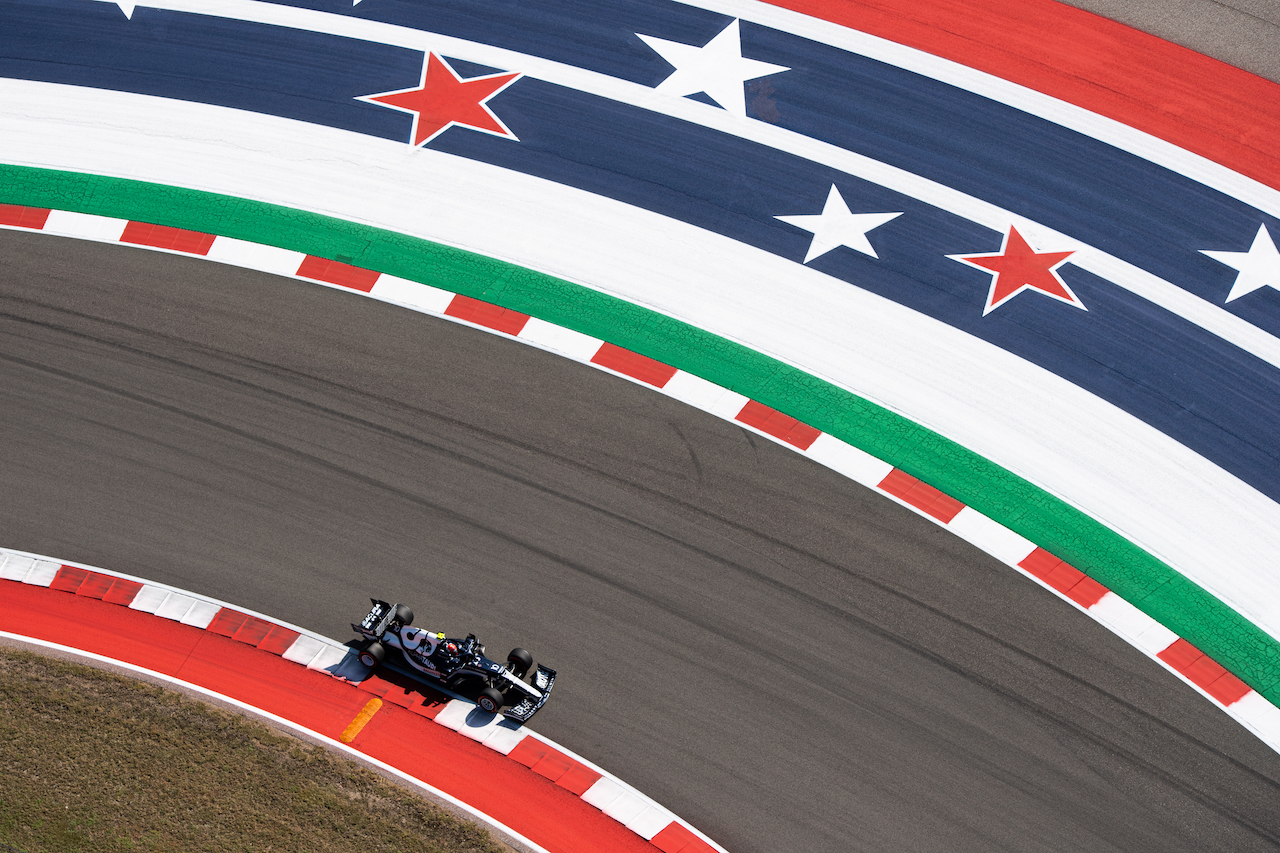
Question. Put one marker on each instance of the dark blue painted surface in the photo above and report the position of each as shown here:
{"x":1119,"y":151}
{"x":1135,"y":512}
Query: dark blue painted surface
{"x":1034,"y":168}
{"x":1190,"y":385}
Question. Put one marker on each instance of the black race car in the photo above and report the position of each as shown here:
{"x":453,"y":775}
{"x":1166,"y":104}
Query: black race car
{"x":457,"y":665}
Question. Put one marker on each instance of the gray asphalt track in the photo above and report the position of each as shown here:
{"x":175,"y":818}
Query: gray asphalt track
{"x":1243,"y":33}
{"x":784,"y":658}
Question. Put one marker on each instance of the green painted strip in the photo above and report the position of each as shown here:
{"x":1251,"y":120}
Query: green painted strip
{"x":1151,"y":585}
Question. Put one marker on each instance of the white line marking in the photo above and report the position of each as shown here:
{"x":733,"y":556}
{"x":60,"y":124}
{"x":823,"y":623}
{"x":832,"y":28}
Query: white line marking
{"x":1205,"y":314}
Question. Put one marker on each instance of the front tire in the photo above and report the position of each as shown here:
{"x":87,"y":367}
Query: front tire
{"x":489,"y":700}
{"x":519,"y":660}
{"x":373,"y":654}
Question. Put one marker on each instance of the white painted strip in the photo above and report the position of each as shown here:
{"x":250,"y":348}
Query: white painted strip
{"x":151,"y":595}
{"x":281,"y":721}
{"x":330,"y":658}
{"x":1124,"y":619}
{"x":42,"y":573}
{"x":454,"y":714}
{"x":1209,"y":526}
{"x":626,"y":806}
{"x":729,"y":405}
{"x":608,"y":787}
{"x":149,"y":598}
{"x":1251,"y":707}
{"x":1155,"y":639}
{"x":200,"y":614}
{"x":558,"y":339}
{"x":16,"y":567}
{"x":479,"y":725}
{"x":420,"y":297}
{"x":650,"y":822}
{"x":103,"y":229}
{"x":255,"y":256}
{"x":303,"y":650}
{"x":1170,"y":297}
{"x":1065,"y":114}
{"x":175,"y":606}
{"x":694,"y":391}
{"x":503,"y":739}
{"x":612,"y":795}
{"x":991,"y":536}
{"x":603,"y":792}
{"x":1267,"y":727}
{"x":845,"y":459}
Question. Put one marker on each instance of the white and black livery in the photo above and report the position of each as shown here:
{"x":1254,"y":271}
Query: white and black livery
{"x":458,"y":665}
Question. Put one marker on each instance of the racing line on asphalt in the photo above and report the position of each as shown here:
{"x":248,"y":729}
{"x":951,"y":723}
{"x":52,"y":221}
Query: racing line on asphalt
{"x":529,"y":788}
{"x":205,"y":656}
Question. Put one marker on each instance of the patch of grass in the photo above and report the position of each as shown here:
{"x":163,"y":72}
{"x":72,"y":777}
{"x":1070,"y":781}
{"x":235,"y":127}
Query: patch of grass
{"x":91,"y":761}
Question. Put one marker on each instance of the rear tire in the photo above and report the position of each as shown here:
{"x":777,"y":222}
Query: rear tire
{"x":519,"y":660}
{"x":373,"y":654}
{"x":404,"y":615}
{"x":489,"y":700}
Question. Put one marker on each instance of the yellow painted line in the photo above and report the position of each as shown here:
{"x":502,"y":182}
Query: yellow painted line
{"x":366,"y":714}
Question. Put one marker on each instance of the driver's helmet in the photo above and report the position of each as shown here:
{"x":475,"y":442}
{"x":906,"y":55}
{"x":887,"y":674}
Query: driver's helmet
{"x":451,"y":648}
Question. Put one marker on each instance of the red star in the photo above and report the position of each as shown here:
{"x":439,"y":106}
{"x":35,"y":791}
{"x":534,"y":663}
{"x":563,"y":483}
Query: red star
{"x":1018,"y":267}
{"x":444,"y":99}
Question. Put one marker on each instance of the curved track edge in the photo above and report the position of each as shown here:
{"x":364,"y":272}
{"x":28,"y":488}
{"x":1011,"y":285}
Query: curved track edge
{"x":1157,"y":639}
{"x":321,"y":685}
{"x":1100,"y":552}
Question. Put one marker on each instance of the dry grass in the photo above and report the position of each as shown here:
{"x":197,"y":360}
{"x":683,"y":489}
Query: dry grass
{"x":91,"y":761}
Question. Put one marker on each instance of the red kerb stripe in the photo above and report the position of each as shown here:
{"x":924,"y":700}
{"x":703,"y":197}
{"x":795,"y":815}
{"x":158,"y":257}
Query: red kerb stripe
{"x":568,"y":773}
{"x":1204,"y":672}
{"x":578,"y":779}
{"x":69,"y":578}
{"x":375,"y":684}
{"x":336,"y":272}
{"x":278,"y":640}
{"x":1180,"y":655}
{"x":1064,"y":577}
{"x":553,"y":765}
{"x":1040,"y":563}
{"x":673,"y":839}
{"x":1087,"y":592}
{"x":676,"y":838}
{"x":122,"y":592}
{"x":428,"y":708}
{"x":778,"y":425}
{"x":529,"y":751}
{"x":227,"y":621}
{"x":634,"y":365}
{"x":95,"y":585}
{"x":1228,"y":689}
{"x":253,"y":631}
{"x":921,"y":495}
{"x":165,"y":237}
{"x":486,"y":314}
{"x":23,"y":217}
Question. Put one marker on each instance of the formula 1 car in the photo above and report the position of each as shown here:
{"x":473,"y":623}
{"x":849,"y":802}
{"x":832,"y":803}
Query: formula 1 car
{"x":457,"y":665}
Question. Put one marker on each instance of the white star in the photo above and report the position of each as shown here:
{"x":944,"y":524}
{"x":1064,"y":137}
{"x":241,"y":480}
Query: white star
{"x":717,"y":68}
{"x":1259,"y":267}
{"x":126,"y":6}
{"x":836,"y":226}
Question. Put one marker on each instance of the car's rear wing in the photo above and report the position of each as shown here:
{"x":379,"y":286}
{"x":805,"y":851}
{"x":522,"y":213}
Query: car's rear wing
{"x":543,"y":679}
{"x":375,"y":624}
